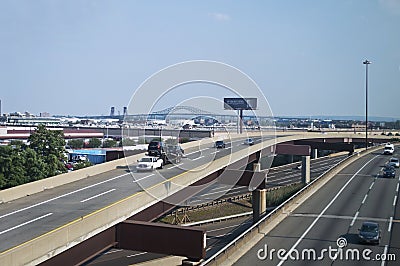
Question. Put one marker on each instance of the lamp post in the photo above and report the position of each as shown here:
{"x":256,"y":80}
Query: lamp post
{"x":366,"y":63}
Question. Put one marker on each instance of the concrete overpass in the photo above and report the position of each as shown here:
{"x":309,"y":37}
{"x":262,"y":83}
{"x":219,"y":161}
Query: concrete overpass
{"x":54,"y":242}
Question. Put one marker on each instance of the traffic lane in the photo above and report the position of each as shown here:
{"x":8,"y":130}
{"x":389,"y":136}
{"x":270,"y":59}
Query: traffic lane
{"x":394,"y":246}
{"x":221,"y":233}
{"x":317,"y":201}
{"x":282,"y":236}
{"x":380,"y":200}
{"x":347,"y":227}
{"x":123,"y":257}
{"x":276,"y":177}
{"x":99,"y":199}
{"x":291,"y":230}
{"x":325,"y":236}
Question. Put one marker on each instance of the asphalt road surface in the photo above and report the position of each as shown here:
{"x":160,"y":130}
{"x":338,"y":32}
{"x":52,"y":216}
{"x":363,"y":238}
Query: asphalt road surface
{"x":310,"y":234}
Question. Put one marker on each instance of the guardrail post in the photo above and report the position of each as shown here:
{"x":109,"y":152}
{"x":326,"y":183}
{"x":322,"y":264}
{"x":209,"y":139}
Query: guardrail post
{"x":259,"y":199}
{"x":305,"y":170}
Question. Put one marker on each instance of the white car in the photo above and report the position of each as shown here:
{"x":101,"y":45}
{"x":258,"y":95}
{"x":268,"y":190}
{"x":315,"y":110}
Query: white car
{"x":389,"y":149}
{"x":149,"y":163}
{"x":395,"y":162}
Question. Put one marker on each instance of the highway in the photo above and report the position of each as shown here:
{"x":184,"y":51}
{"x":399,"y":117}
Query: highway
{"x":358,"y":193}
{"x":32,"y":216}
{"x":221,"y":233}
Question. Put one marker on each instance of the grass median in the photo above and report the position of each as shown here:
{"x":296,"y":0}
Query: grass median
{"x":230,"y":207}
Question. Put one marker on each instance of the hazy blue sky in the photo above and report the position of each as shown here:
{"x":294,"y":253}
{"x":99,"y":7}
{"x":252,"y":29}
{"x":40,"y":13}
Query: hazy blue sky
{"x":81,"y":57}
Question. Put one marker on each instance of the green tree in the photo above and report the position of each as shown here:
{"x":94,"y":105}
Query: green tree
{"x":16,"y":172}
{"x":5,"y":165}
{"x":94,"y":143}
{"x":34,"y":165}
{"x":76,"y":143}
{"x":50,"y":147}
{"x":109,"y":143}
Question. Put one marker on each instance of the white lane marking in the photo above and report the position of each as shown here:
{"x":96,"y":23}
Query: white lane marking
{"x":135,"y":255}
{"x":385,"y":253}
{"x":397,"y":188}
{"x":394,"y":200}
{"x":390,"y":223}
{"x":364,"y":199}
{"x":354,"y":219}
{"x":28,"y":222}
{"x":176,"y":165}
{"x":196,"y":151}
{"x":62,"y":196}
{"x":322,"y":212}
{"x":370,"y":187}
{"x":198,"y":158}
{"x":399,"y":177}
{"x":136,"y":180}
{"x":214,"y":152}
{"x":113,"y":251}
{"x":98,"y":195}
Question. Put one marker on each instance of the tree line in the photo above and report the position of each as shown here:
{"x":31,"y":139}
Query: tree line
{"x":42,"y":158}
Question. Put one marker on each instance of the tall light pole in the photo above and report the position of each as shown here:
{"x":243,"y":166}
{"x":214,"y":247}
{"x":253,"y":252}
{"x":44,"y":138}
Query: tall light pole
{"x":366,"y":63}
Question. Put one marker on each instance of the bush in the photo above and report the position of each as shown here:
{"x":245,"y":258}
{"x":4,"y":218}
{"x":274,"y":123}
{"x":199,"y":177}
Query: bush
{"x":109,"y":143}
{"x":94,"y":143}
{"x":76,"y":143}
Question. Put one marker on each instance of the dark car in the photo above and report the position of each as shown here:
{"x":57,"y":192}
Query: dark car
{"x":220,"y":144}
{"x":155,"y":148}
{"x":389,"y":171}
{"x":369,"y":233}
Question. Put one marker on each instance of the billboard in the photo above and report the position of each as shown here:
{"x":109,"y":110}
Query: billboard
{"x":240,"y":103}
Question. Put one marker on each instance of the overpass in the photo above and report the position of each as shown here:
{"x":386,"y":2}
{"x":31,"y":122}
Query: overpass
{"x":140,"y":205}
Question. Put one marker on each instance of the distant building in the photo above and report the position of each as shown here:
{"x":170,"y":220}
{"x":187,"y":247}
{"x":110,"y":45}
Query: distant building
{"x":32,"y":121}
{"x":44,"y":114}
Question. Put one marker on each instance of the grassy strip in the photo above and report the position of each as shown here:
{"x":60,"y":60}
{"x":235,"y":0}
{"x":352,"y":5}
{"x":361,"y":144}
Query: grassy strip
{"x":274,"y":198}
{"x":277,"y":196}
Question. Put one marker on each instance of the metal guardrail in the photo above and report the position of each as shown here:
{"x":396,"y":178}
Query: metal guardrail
{"x":276,"y":210}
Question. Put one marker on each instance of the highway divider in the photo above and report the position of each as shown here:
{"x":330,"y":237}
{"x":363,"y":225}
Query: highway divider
{"x":230,"y":253}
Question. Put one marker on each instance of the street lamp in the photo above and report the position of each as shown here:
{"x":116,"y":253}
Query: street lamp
{"x":366,"y":63}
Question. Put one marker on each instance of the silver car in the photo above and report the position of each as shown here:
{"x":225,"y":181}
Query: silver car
{"x":394,"y":162}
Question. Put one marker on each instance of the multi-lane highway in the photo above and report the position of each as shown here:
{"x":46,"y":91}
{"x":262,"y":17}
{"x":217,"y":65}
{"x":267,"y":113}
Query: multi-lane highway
{"x":29,"y":217}
{"x":358,"y":193}
{"x":221,"y":233}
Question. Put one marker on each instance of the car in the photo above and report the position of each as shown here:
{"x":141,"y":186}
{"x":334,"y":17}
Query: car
{"x":369,"y":233}
{"x":394,"y":162}
{"x":155,"y":148}
{"x":220,"y":144}
{"x":149,"y":163}
{"x":249,"y":141}
{"x":389,"y":149}
{"x":389,"y":171}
